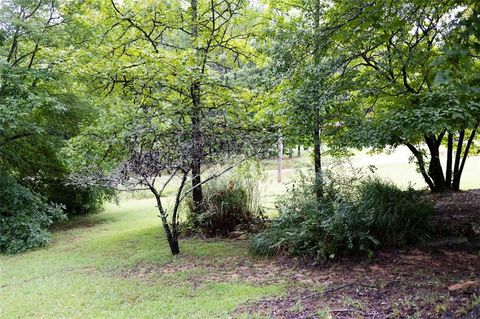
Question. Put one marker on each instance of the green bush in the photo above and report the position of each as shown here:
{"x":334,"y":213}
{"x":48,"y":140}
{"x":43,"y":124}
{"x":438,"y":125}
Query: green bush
{"x":230,"y":202}
{"x":24,"y":217}
{"x":350,"y":218}
{"x":76,"y":200}
{"x":398,"y":216}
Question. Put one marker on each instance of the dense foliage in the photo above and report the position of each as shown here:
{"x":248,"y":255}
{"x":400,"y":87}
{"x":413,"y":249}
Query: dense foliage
{"x":42,"y":106}
{"x":381,"y":74}
{"x":24,"y":217}
{"x":351,"y":218}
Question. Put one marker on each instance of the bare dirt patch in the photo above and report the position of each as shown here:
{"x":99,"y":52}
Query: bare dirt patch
{"x":198,"y":271}
{"x":395,"y":284}
{"x":458,"y":214}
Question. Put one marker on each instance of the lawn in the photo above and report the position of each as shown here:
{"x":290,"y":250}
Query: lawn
{"x":86,"y":272}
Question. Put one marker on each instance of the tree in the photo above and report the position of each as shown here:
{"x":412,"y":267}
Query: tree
{"x":173,"y":80}
{"x":41,"y":105}
{"x":304,"y":74}
{"x":188,"y":56}
{"x":152,"y":149}
{"x":399,"y":54}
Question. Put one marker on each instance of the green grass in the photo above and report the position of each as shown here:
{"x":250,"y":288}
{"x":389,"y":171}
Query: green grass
{"x":79,"y":274}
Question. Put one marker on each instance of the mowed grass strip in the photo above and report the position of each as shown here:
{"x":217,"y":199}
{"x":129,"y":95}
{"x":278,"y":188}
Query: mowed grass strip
{"x":81,"y":273}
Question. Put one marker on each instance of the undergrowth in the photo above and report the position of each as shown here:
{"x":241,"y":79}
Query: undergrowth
{"x":353,"y":216}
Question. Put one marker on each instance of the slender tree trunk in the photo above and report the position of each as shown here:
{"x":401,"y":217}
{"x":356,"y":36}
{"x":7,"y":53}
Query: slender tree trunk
{"x":458,"y":156}
{"x":317,"y":143}
{"x":174,"y":247}
{"x":197,"y":194}
{"x":448,"y":172}
{"x":280,"y":159}
{"x":13,"y":47}
{"x":458,"y":176}
{"x":421,"y":165}
{"x":172,"y":238}
{"x":317,"y":156}
{"x":298,"y":151}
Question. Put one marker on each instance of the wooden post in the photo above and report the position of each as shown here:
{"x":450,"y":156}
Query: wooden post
{"x":280,"y":155}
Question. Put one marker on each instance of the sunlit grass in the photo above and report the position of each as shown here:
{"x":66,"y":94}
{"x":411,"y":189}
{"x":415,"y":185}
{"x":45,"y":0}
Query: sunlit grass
{"x":77,"y":275}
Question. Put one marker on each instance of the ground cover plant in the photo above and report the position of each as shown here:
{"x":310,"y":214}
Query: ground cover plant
{"x":352,"y":216}
{"x":231,"y":202}
{"x":24,"y":217}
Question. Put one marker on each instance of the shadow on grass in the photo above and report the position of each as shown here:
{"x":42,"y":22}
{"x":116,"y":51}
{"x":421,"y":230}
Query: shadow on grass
{"x":84,"y":221}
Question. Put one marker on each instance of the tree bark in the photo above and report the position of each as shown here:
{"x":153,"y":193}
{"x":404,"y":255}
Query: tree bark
{"x":174,"y":247}
{"x":279,"y":160}
{"x":171,"y":238}
{"x":448,"y":172}
{"x":458,"y":155}
{"x":435,"y":170}
{"x":197,"y":194}
{"x":421,"y":165}
{"x":457,"y":178}
{"x":317,"y":155}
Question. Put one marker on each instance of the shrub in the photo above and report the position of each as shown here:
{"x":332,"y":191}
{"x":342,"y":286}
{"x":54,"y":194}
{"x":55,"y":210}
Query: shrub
{"x":24,"y":217}
{"x":77,"y":200}
{"x":308,"y":227}
{"x":398,"y":216}
{"x":230,"y":202}
{"x":350,"y":218}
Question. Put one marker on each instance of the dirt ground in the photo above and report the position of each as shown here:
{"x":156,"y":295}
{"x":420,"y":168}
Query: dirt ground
{"x":395,"y":284}
{"x":442,"y":281}
{"x":413,"y":283}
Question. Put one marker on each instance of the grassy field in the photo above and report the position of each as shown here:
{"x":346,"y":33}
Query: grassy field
{"x":116,"y":264}
{"x":394,"y":166}
{"x":86,"y":272}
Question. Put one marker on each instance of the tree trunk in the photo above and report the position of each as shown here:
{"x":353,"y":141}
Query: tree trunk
{"x":435,"y":170}
{"x":298,"y":150}
{"x":421,"y":165}
{"x":458,"y":175}
{"x":174,"y":247}
{"x":172,"y":238}
{"x":279,"y":160}
{"x":197,"y":150}
{"x":448,"y":172}
{"x":317,"y":155}
{"x":458,"y":155}
{"x":436,"y":180}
